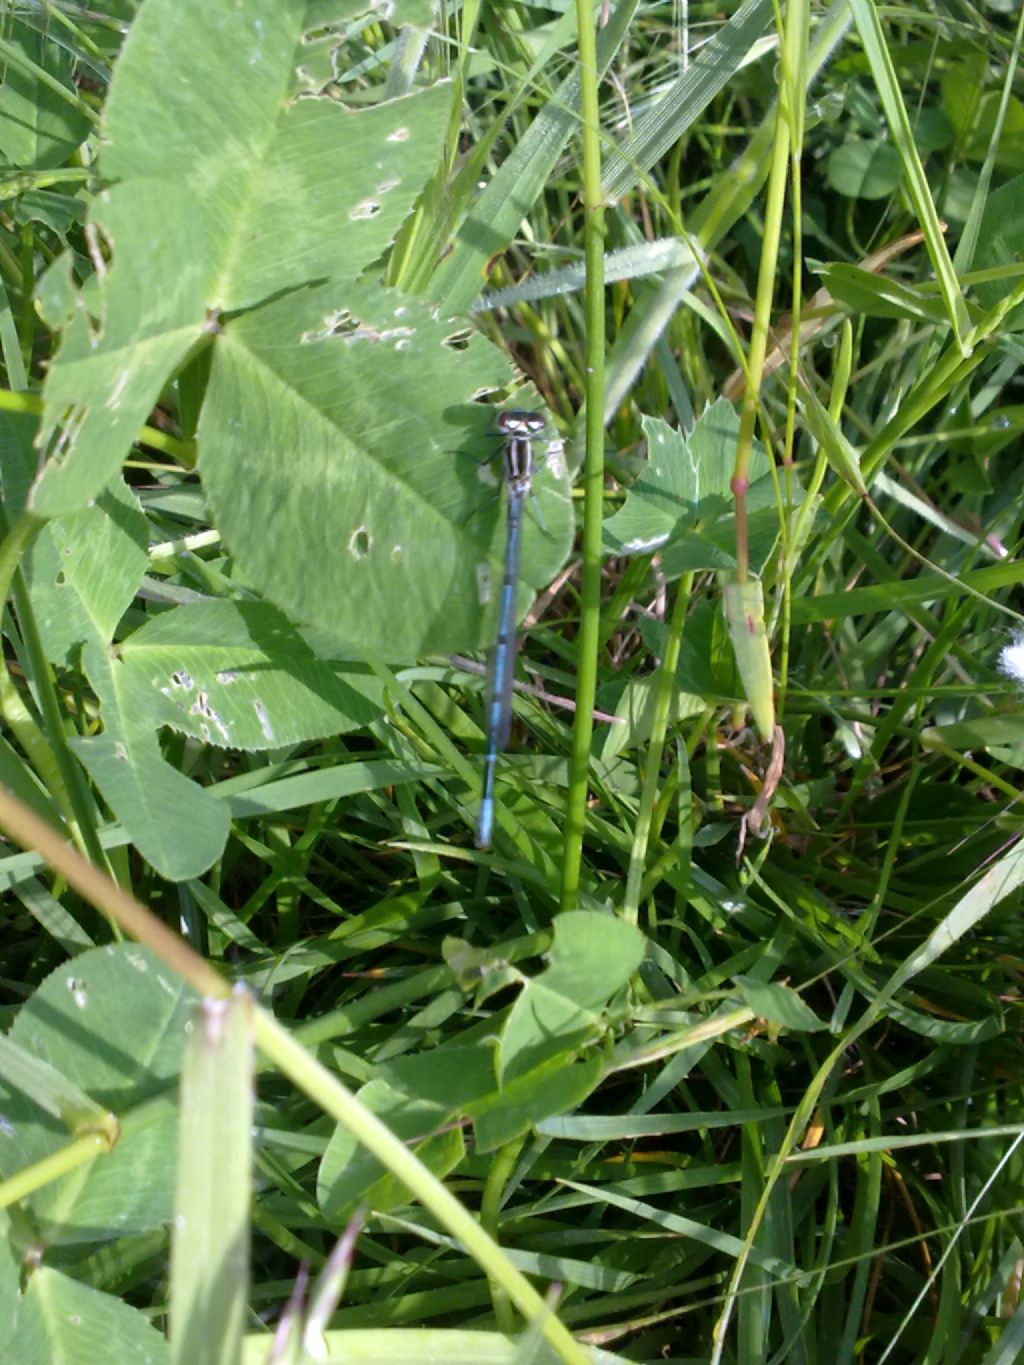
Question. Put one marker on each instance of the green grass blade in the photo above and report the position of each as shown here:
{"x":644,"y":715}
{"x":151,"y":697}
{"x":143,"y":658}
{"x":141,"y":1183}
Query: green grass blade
{"x":675,"y":111}
{"x":876,"y":49}
{"x":210,"y":1246}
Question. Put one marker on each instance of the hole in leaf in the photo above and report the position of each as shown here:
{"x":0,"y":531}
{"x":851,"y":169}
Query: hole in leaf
{"x":359,"y":543}
{"x":319,"y":32}
{"x":339,"y":324}
{"x":62,"y":441}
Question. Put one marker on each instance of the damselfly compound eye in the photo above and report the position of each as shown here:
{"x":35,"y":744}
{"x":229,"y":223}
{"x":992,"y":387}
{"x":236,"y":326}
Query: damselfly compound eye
{"x":518,"y":423}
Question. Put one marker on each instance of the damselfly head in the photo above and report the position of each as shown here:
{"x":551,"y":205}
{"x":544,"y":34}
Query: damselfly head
{"x":517,"y":422}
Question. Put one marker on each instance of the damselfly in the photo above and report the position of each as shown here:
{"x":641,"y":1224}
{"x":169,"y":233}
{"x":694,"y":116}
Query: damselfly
{"x":519,"y":429}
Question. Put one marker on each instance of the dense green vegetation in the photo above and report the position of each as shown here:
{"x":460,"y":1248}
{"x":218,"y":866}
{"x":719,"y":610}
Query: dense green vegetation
{"x":715,"y":1055}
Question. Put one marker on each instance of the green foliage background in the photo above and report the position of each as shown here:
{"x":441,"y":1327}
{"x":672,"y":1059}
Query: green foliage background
{"x":267,"y":270}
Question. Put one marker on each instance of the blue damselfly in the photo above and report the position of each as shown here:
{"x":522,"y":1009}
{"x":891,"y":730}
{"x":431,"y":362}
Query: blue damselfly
{"x":518,"y":429}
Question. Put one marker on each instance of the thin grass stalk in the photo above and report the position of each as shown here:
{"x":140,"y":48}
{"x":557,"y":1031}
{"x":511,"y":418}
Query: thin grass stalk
{"x":19,"y":361}
{"x":14,"y":546}
{"x":335,"y":1099}
{"x":664,"y":690}
{"x":593,"y":468}
{"x":754,"y":1309}
{"x":792,"y":96}
{"x":433,"y":733}
{"x":949,"y":1318}
{"x":673,"y":857}
{"x":78,"y":1152}
{"x":758,"y":347}
{"x":951,"y":369}
{"x":839,"y":503}
{"x":963,"y":258}
{"x":22,"y":725}
{"x":915,"y":183}
{"x":1001,"y":880}
{"x":861,"y":1236}
{"x":934,"y":657}
{"x":837,"y":400}
{"x":16,"y":714}
{"x":84,"y":828}
{"x":728,"y":200}
{"x":490,"y":1210}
